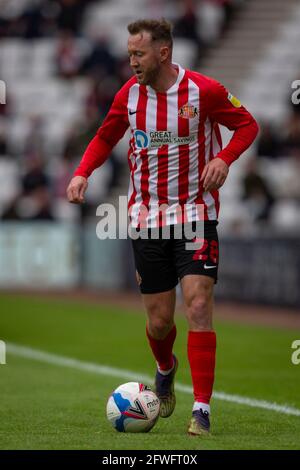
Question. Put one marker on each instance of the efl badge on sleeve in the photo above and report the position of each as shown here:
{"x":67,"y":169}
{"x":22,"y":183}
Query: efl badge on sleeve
{"x":234,"y":101}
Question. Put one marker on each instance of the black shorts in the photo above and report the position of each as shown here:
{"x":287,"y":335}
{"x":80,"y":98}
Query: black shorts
{"x":161,"y":262}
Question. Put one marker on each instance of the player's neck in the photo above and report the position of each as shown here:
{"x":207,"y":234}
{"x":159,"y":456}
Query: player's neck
{"x":166,"y":79}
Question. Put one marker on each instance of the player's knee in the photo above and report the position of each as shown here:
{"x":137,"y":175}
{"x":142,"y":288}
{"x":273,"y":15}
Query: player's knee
{"x":159,"y":327}
{"x":199,"y":312}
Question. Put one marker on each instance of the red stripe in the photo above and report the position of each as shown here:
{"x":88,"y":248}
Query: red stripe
{"x":211,"y":150}
{"x":162,"y":157}
{"x":201,"y":158}
{"x":183,"y":130}
{"x":162,"y":153}
{"x":141,"y":124}
{"x":215,"y":195}
{"x":215,"y":132}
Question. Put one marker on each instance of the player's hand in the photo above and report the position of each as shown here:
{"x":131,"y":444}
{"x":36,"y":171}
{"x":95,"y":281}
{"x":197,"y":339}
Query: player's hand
{"x":76,"y":189}
{"x":214,"y":174}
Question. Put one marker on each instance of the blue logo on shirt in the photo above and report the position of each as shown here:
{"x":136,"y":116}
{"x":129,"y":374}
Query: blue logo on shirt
{"x":141,"y":139}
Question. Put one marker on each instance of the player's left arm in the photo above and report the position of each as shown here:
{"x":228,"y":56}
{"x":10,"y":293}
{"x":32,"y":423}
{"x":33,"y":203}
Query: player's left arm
{"x":225,"y":109}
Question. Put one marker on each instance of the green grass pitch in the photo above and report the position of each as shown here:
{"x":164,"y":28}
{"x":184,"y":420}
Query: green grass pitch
{"x":46,"y":406}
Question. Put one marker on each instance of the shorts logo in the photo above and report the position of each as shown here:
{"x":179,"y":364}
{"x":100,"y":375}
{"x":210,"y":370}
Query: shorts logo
{"x":188,"y":111}
{"x":141,"y":139}
{"x":234,"y":101}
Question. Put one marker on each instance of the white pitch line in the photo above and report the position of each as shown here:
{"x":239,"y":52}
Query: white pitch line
{"x":53,"y":359}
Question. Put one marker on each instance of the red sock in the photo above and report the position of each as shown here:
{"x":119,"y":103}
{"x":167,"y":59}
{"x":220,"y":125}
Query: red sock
{"x":201,"y":355}
{"x":162,"y":349}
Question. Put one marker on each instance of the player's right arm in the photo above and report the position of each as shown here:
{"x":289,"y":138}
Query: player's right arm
{"x":76,"y":189}
{"x":112,"y":130}
{"x":95,"y":155}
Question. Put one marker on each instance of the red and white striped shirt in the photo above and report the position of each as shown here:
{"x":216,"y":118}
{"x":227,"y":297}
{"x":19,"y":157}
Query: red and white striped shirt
{"x":173,"y":135}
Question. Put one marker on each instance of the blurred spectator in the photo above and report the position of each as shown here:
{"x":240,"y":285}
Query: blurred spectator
{"x":268,"y":144}
{"x":3,"y":134}
{"x":100,"y":62}
{"x":101,"y":96}
{"x":79,"y":139}
{"x":124,"y":71}
{"x":70,"y":15}
{"x":256,"y":193}
{"x":34,"y":142}
{"x":37,"y":206}
{"x":32,"y":21}
{"x":5,"y":108}
{"x":41,"y":18}
{"x":211,"y":21}
{"x":63,"y":172}
{"x":291,"y":137}
{"x":186,"y":26}
{"x":34,"y":203}
{"x":35,"y":176}
{"x":228,"y":7}
{"x":67,"y":56}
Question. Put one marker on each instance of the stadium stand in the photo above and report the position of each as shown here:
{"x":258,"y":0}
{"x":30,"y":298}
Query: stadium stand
{"x":62,"y":61}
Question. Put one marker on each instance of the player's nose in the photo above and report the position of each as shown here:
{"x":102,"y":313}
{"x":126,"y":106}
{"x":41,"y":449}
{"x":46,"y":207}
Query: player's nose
{"x":133,"y":62}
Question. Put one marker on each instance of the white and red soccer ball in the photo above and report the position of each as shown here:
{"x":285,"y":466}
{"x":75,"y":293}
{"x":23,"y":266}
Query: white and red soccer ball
{"x":132,"y":407}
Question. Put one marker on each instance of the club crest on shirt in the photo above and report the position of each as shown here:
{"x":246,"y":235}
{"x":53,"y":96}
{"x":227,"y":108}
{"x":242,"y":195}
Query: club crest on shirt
{"x":188,"y":111}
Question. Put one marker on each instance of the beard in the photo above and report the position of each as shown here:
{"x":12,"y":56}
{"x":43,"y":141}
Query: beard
{"x":149,"y":77}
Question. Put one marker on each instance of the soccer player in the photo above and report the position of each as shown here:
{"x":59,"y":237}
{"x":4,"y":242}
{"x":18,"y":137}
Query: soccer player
{"x":176,"y":161}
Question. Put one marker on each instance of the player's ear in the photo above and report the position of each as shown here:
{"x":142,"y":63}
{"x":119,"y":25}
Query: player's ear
{"x":164,"y":53}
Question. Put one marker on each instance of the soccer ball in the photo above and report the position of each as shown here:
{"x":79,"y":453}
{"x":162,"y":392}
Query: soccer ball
{"x":132,"y":407}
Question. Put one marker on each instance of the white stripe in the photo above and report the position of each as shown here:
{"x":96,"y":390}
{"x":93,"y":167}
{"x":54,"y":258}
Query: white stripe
{"x":207,"y":197}
{"x":53,"y":359}
{"x":173,"y":155}
{"x":135,"y":208}
{"x":151,"y":119}
{"x":133,"y":98}
{"x":194,"y":95}
{"x":210,"y":203}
